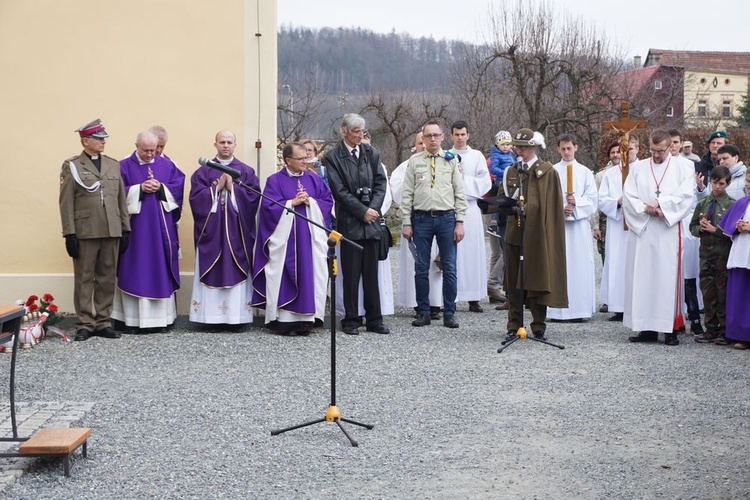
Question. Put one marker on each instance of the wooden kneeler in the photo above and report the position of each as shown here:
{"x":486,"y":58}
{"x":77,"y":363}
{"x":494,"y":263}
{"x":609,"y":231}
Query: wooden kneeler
{"x":56,"y":442}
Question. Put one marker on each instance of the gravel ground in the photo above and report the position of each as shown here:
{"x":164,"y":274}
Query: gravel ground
{"x":188,"y":414}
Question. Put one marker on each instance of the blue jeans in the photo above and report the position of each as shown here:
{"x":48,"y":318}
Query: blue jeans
{"x":425,"y":228}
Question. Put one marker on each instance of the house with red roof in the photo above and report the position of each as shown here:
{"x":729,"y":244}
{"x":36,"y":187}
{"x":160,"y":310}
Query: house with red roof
{"x":678,"y":88}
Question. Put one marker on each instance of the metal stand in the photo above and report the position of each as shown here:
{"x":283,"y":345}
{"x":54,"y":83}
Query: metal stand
{"x":521,"y":333}
{"x":332,"y":414}
{"x":10,"y":320}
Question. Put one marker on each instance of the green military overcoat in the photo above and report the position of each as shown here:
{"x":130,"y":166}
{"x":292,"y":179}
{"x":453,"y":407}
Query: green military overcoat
{"x":545,"y":275}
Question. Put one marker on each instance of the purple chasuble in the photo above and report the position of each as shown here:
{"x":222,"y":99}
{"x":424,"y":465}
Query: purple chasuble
{"x":738,"y":280}
{"x":297,"y":290}
{"x":736,"y":212}
{"x":149,"y":267}
{"x":224,"y":239}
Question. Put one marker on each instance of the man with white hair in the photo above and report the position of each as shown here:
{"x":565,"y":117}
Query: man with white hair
{"x":358,"y":185}
{"x":148,"y":275}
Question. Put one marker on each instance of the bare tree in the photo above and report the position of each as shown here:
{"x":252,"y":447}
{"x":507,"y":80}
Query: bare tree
{"x":299,"y":105}
{"x":479,"y":95}
{"x":557,"y":70}
{"x":396,"y":118}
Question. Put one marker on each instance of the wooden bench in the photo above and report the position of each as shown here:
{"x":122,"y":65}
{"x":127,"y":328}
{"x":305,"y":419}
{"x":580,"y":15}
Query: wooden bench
{"x":56,"y":442}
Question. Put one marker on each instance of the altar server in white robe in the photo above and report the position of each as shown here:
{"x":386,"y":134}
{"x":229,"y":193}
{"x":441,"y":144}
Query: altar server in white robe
{"x":579,"y":245}
{"x":693,"y":299}
{"x":657,"y":195}
{"x":612,"y":289}
{"x":471,"y":254}
{"x":407,"y":293}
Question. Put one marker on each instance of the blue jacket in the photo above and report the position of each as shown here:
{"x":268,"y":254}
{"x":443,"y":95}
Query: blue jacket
{"x":499,"y":161}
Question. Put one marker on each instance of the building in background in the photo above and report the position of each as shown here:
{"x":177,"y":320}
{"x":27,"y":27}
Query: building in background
{"x":678,"y":88}
{"x":133,"y":64}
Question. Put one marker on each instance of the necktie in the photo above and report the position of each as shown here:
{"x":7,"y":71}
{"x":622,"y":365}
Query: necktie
{"x":711,"y":211}
{"x":354,"y":153}
{"x":432,"y":168}
{"x":525,"y":167}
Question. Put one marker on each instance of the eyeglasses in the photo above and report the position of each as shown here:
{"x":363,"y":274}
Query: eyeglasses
{"x":658,"y":151}
{"x":298,"y":158}
{"x":429,"y":137}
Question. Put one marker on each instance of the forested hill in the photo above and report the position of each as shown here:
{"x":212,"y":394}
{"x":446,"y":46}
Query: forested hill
{"x":356,"y":60}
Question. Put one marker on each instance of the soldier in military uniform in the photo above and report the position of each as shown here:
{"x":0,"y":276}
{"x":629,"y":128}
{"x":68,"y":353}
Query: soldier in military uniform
{"x":96,"y":227}
{"x":544,"y":278}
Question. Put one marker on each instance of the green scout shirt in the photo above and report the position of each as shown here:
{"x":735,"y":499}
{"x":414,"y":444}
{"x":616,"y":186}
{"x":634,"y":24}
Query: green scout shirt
{"x":723,"y":203}
{"x":423,"y":192}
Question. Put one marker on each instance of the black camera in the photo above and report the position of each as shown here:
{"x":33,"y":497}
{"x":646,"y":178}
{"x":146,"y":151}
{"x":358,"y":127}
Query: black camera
{"x":364,"y":195}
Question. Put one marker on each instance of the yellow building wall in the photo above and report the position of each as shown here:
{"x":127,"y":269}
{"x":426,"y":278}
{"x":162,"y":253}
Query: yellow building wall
{"x":714,"y":87}
{"x":192,"y":66}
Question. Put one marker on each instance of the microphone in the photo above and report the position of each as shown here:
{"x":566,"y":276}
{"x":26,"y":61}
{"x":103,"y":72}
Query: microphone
{"x":234,"y":173}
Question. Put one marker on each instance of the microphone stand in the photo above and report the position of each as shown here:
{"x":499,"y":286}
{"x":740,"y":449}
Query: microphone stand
{"x":522,"y":333}
{"x":333,"y":414}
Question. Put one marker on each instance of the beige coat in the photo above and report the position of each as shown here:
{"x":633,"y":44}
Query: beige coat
{"x":102,"y":213}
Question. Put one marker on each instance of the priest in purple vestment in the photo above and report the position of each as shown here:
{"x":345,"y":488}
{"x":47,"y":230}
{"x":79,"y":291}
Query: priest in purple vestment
{"x":224,"y":237}
{"x":290,"y":272}
{"x":736,"y":223}
{"x":148,"y":273}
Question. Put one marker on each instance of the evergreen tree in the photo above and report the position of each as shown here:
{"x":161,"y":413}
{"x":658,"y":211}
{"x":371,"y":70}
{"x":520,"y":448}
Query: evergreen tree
{"x":743,"y":120}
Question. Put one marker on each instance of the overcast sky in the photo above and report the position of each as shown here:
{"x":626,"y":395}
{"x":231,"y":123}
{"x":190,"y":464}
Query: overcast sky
{"x":636,"y":26}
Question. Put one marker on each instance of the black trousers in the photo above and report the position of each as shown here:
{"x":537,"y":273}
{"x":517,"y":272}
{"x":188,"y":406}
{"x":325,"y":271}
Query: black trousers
{"x":364,"y":264}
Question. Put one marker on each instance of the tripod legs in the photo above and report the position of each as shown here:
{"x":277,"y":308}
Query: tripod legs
{"x":523,"y":335}
{"x":542,"y":341}
{"x":332,"y":415}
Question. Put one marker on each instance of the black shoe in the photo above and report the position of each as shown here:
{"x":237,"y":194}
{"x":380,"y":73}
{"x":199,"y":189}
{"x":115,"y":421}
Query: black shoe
{"x":604,"y":308}
{"x":422,"y":320}
{"x":671,"y":339}
{"x":706,"y":338}
{"x":82,"y":335}
{"x":645,"y":336}
{"x":303,"y":329}
{"x":450,"y":322}
{"x":696,"y":328}
{"x":475,"y":307}
{"x":616,"y":317}
{"x":107,"y":333}
{"x":381,"y":329}
{"x":540,"y":336}
{"x":510,"y":335}
{"x":350,"y":329}
{"x":434,"y":312}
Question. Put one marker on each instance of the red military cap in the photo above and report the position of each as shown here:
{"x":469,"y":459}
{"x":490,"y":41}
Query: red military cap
{"x":93,"y":129}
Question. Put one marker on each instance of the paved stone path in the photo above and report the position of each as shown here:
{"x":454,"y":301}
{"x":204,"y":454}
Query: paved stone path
{"x":30,"y":417}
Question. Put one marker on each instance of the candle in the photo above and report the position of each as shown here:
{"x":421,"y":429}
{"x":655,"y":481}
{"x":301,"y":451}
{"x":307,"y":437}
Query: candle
{"x":570,"y":178}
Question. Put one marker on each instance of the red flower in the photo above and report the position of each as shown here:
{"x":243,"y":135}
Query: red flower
{"x":52,"y":308}
{"x":31,"y":300}
{"x":47,"y":297}
{"x":33,"y":307}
